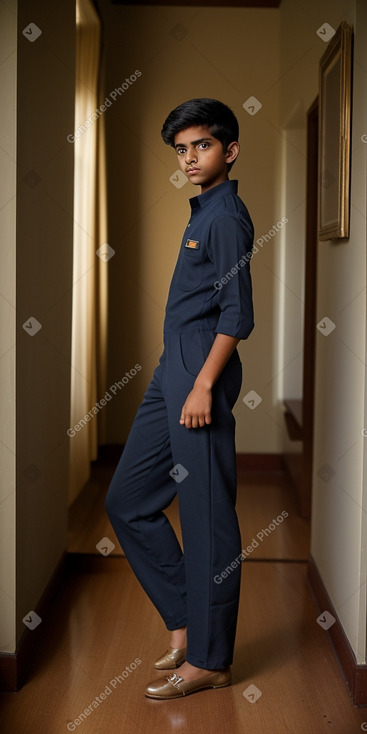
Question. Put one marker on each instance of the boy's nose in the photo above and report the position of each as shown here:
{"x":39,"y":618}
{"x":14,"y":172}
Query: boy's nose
{"x":190,"y":156}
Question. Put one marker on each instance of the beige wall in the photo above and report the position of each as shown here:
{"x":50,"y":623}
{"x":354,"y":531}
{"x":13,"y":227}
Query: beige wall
{"x":44,"y":229}
{"x":339,"y":529}
{"x":338,"y":505}
{"x":8,"y":77}
{"x":229,"y":54}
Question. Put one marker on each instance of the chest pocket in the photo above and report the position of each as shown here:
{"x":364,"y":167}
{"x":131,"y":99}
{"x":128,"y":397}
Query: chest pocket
{"x":190,"y":272}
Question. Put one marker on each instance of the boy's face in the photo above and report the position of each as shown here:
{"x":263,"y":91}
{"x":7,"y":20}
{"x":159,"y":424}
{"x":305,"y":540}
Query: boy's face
{"x":201,"y":157}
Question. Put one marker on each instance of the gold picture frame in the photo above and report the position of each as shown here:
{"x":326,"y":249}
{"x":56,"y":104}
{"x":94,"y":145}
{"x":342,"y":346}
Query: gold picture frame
{"x":335,"y":94}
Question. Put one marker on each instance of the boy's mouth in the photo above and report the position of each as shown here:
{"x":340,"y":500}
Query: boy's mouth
{"x":193,"y":170}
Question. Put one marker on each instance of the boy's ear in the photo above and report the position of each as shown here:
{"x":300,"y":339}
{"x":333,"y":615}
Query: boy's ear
{"x":232,"y":152}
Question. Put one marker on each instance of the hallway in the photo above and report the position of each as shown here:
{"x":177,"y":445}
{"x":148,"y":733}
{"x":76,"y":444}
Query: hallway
{"x":91,"y":222}
{"x":102,"y":623}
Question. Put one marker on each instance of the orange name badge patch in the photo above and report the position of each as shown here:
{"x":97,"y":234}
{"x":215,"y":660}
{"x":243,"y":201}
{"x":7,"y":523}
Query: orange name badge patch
{"x":193,"y":244}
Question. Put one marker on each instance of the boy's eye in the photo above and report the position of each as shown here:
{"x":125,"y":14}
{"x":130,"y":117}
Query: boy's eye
{"x":182,"y":151}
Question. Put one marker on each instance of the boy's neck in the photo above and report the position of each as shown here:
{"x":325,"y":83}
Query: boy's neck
{"x":212,"y":186}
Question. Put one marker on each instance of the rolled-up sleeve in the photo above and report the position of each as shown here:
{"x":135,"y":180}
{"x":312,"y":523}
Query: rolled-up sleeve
{"x":229,"y":248}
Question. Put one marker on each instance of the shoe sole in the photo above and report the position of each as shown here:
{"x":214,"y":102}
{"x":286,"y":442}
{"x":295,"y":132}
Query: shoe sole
{"x":188,"y":693}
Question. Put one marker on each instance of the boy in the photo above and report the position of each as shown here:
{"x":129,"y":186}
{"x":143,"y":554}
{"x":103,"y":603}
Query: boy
{"x":182,"y":438}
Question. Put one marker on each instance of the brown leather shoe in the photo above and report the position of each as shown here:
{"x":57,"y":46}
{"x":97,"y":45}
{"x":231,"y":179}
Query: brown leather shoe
{"x":172,"y":658}
{"x":175,"y":687}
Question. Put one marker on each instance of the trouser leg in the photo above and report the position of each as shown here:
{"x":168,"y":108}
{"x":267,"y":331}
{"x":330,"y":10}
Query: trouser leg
{"x":140,"y":489}
{"x":210,"y":529}
{"x":184,"y":590}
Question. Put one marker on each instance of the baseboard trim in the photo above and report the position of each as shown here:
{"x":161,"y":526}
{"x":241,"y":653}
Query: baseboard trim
{"x":14,"y":667}
{"x":261,"y":462}
{"x":355,"y":675}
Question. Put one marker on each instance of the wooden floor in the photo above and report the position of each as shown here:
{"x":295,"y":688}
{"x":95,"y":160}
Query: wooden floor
{"x":102,"y":623}
{"x":260,"y":498}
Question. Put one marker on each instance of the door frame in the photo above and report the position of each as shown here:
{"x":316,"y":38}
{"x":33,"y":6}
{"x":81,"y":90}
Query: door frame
{"x":309,"y":333}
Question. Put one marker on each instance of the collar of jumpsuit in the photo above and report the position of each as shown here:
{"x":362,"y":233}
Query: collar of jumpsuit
{"x":202,"y":200}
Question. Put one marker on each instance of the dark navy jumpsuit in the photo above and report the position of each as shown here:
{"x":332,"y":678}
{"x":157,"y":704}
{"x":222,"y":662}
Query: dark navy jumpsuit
{"x":210,"y":293}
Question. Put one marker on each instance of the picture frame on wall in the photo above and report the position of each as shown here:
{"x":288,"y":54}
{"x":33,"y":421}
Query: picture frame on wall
{"x":335,"y":95}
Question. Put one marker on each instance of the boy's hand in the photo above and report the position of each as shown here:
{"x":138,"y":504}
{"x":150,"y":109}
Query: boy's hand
{"x":197,"y":407}
{"x":196,"y":411}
